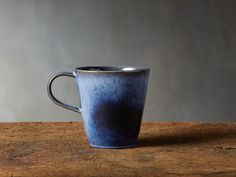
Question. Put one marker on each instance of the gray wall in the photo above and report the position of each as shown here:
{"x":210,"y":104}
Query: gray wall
{"x":189,"y":45}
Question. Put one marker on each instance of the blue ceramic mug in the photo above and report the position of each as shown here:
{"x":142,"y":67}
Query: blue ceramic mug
{"x":111,"y":103}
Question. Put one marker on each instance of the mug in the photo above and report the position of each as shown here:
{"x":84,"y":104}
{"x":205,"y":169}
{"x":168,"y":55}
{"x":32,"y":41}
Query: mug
{"x":111,"y":103}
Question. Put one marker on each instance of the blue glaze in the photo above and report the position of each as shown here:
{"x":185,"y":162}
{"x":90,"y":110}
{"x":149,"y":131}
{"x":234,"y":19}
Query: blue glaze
{"x":112,"y":103}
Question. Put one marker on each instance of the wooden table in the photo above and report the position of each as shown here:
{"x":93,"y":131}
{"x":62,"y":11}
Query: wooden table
{"x":164,"y":149}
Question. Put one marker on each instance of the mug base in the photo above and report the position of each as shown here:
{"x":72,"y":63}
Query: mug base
{"x":112,"y":147}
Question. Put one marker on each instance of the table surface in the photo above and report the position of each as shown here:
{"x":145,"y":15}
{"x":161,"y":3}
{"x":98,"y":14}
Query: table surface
{"x":164,"y":149}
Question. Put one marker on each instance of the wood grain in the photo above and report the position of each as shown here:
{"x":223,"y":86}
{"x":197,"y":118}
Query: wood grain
{"x":164,"y":149}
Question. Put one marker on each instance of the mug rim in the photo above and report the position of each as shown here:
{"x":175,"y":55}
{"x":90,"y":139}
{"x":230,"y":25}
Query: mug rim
{"x":111,"y":69}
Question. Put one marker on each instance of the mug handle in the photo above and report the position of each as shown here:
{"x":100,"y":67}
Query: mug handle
{"x":53,"y":98}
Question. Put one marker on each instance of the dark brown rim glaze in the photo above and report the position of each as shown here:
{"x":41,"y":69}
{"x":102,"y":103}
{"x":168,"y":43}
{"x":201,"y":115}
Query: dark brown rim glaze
{"x":110,"y":69}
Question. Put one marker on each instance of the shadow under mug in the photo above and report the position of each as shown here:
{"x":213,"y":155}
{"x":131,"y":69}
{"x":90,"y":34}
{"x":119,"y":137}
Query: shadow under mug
{"x":111,"y":103}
